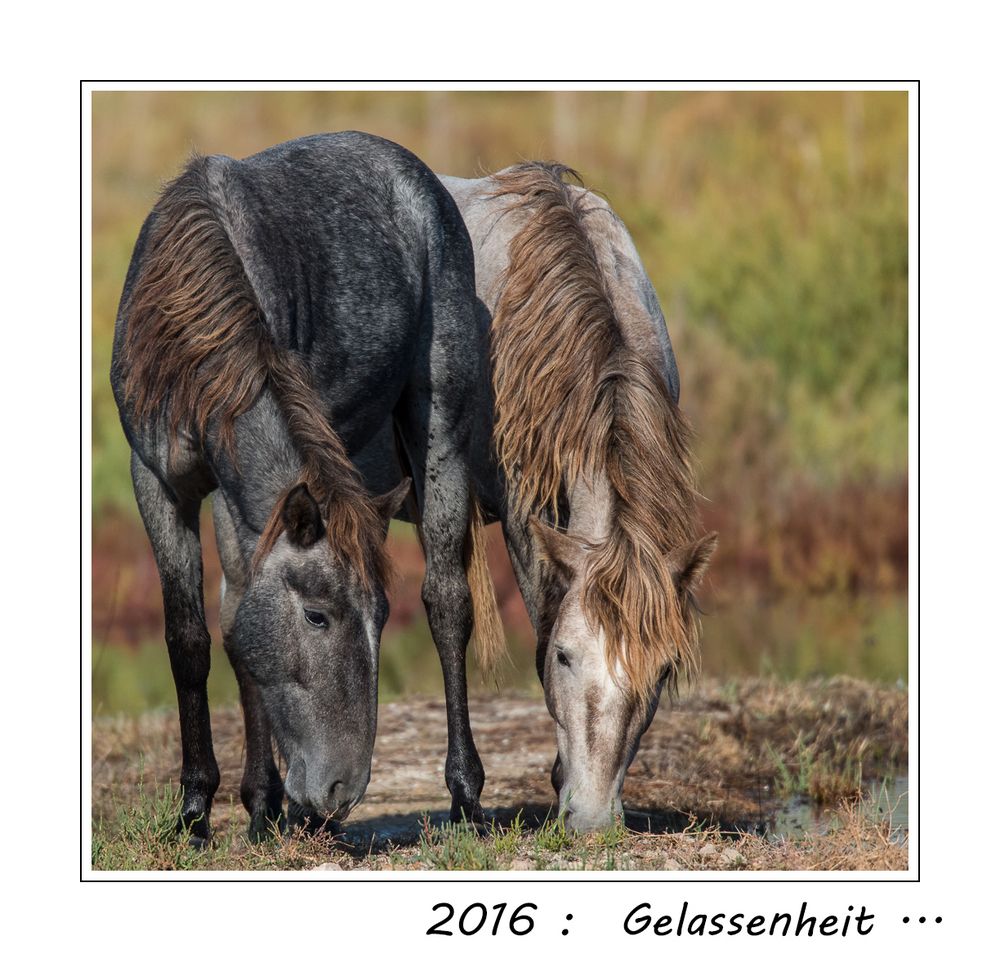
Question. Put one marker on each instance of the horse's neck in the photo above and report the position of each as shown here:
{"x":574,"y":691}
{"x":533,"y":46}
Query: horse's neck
{"x":265,"y":465}
{"x":632,"y":294}
{"x":590,"y":507}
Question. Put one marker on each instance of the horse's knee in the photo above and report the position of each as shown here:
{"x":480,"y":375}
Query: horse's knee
{"x":445,"y":591}
{"x":448,"y":600}
{"x":200,"y":784}
{"x":190,"y":648}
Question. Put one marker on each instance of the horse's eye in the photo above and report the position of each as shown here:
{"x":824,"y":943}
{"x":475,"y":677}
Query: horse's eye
{"x":316,"y":618}
{"x":562,"y":658}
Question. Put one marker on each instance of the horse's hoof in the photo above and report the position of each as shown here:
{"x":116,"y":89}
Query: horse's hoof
{"x":195,"y":827}
{"x":309,"y":821}
{"x":266,"y":827}
{"x":471,"y":814}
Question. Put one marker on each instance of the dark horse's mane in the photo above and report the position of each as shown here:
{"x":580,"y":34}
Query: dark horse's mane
{"x":572,"y":399}
{"x":197,"y":345}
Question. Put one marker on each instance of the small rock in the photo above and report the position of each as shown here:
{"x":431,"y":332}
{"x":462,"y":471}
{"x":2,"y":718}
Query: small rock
{"x":732,"y":857}
{"x":670,"y":864}
{"x":707,"y":850}
{"x":522,"y":864}
{"x":328,"y":868}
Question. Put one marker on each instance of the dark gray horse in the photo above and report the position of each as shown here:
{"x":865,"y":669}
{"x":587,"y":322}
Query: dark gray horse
{"x":296,"y":330}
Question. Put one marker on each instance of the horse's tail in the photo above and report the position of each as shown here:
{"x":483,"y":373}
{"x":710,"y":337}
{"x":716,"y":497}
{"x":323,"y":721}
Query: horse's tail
{"x":489,"y":641}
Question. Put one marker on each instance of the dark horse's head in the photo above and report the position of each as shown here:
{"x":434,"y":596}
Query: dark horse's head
{"x":307,"y":631}
{"x":197,"y":355}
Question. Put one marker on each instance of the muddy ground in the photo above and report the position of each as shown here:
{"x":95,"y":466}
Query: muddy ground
{"x":710,"y":775}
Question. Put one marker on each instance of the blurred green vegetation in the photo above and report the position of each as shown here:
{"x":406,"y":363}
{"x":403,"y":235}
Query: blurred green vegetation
{"x":774,"y":228}
{"x":773,"y":225}
{"x":132,"y":679}
{"x":791,"y":638}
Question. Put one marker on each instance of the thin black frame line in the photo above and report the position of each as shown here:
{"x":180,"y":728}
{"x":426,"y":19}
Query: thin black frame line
{"x":473,"y":80}
{"x":920,"y":768}
{"x":500,"y":879}
{"x":82,"y":94}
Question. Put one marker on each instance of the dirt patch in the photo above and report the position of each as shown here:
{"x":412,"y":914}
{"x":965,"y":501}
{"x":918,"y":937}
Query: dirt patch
{"x":722,"y":759}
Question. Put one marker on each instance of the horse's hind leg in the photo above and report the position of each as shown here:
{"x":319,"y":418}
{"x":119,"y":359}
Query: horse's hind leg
{"x":172,"y":527}
{"x":261,"y":788}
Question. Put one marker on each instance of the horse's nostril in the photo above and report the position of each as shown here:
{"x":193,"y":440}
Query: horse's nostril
{"x":333,"y":789}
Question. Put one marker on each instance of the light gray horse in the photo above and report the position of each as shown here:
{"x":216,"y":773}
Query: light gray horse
{"x":599,"y":506}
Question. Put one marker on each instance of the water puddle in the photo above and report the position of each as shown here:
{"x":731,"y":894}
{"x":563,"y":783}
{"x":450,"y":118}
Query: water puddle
{"x":801,"y":816}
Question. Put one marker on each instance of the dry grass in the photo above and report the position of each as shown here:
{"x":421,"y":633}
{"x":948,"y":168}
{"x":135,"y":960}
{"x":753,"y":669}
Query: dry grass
{"x":708,"y":779}
{"x":858,"y":839}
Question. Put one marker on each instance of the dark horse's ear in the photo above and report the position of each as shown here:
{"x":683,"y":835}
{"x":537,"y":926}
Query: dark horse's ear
{"x":388,"y":504}
{"x":690,"y":562}
{"x":301,"y":516}
{"x":564,"y":551}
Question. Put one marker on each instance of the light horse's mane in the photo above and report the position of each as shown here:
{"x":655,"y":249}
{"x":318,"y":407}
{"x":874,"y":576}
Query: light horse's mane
{"x":572,"y":400}
{"x":196,"y":344}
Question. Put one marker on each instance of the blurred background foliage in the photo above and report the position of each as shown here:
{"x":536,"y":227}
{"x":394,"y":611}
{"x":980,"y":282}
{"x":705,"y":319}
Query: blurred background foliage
{"x":774,"y":228}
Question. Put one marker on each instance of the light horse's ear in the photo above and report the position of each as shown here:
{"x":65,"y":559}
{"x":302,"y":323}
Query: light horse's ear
{"x":564,"y":551}
{"x":690,"y":562}
{"x":388,"y":504}
{"x":300,"y":513}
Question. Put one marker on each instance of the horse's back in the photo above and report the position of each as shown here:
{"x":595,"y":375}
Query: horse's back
{"x":337,"y":234}
{"x":341,"y":239}
{"x":330,"y":232}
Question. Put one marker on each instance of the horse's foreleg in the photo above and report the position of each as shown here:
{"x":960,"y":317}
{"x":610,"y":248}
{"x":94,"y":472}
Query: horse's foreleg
{"x":173,"y":533}
{"x":261,"y":788}
{"x":448,"y":601}
{"x":441,"y":409}
{"x":540,"y":601}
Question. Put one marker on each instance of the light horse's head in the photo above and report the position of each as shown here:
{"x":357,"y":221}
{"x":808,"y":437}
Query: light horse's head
{"x":601,"y":690}
{"x":584,"y":414}
{"x":307,"y":631}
